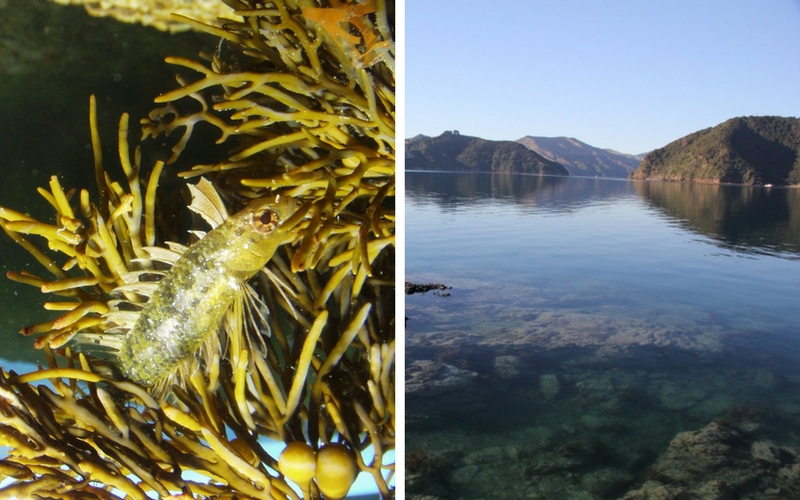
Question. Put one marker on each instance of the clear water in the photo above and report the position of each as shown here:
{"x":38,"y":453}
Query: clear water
{"x":598,"y":319}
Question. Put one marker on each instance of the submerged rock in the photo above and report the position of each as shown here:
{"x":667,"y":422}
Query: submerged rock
{"x":552,"y":330}
{"x":604,"y":481}
{"x":719,"y":462}
{"x":766,"y":452}
{"x":674,"y":396}
{"x":427,"y":378}
{"x":426,"y":474}
{"x":549,"y":385}
{"x":507,"y":367}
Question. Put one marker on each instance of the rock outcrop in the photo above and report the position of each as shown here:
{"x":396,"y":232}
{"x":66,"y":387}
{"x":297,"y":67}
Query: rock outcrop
{"x":719,"y":462}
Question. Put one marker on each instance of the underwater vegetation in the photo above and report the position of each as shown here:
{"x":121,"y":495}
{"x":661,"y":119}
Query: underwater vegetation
{"x":253,"y":300}
{"x":156,"y":13}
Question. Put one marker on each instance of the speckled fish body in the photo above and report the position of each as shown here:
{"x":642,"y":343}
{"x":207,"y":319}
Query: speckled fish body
{"x":193,"y":297}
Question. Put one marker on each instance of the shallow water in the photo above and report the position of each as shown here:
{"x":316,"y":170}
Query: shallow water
{"x":589,"y":322}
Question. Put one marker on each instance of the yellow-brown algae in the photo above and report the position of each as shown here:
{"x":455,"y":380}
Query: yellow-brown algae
{"x":306,"y":110}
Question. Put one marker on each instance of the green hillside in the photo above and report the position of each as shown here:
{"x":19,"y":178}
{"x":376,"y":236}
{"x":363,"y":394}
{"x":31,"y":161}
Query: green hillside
{"x":745,"y":150}
{"x":462,"y":153}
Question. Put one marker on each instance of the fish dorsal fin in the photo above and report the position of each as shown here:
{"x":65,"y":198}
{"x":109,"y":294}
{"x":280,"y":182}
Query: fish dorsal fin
{"x":207,"y":203}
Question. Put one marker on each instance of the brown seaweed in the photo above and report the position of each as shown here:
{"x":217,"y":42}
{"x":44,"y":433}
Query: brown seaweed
{"x":302,"y":93}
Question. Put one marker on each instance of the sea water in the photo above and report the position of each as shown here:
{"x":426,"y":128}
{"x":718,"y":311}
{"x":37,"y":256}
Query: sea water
{"x":589,"y":323}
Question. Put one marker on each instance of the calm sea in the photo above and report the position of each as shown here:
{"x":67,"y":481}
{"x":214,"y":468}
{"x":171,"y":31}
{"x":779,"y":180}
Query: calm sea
{"x":590,"y":321}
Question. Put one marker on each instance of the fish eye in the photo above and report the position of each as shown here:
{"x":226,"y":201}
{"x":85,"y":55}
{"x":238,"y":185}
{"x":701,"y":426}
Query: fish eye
{"x":265,"y":220}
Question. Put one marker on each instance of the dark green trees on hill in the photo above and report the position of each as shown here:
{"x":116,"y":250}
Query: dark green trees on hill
{"x":454,"y":152}
{"x":745,"y":150}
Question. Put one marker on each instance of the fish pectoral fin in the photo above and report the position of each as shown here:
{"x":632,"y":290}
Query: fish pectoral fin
{"x":166,"y":255}
{"x":207,"y":203}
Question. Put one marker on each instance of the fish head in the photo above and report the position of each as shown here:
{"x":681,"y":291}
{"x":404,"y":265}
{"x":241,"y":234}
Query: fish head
{"x":257,"y":231}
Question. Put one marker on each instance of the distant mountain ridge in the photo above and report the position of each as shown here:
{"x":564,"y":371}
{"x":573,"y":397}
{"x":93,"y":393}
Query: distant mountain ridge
{"x":452,"y":151}
{"x":743,"y":150}
{"x":580,"y":158}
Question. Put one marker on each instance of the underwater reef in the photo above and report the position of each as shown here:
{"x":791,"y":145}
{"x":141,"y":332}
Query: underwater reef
{"x":589,"y":426}
{"x":205,"y":306}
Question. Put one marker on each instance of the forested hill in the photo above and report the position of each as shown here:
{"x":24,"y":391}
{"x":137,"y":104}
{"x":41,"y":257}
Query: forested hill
{"x":454,"y":152}
{"x":744,"y":150}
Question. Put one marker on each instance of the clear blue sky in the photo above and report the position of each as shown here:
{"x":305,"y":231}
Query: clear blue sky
{"x":630,"y":75}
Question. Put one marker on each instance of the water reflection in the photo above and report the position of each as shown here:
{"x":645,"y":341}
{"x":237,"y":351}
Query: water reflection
{"x":553,"y":192}
{"x":448,"y":186}
{"x":750,"y":220}
{"x":741,"y":218}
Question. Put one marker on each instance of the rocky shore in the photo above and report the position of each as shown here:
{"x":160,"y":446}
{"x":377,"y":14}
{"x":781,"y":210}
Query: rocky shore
{"x":413,"y":288}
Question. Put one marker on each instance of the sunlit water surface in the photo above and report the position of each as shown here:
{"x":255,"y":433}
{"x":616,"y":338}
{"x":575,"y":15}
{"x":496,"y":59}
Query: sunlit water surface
{"x":589,"y":322}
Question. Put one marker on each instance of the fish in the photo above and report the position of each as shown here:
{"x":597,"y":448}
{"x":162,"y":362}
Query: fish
{"x":192,"y":299}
